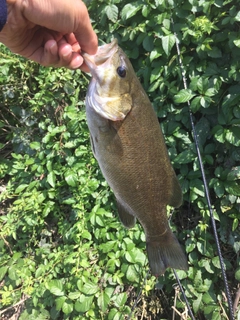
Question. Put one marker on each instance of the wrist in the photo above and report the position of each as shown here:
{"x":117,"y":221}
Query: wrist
{"x":3,"y":14}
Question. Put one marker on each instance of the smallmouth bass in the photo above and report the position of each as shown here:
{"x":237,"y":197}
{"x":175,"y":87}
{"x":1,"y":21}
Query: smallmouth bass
{"x":129,"y":146}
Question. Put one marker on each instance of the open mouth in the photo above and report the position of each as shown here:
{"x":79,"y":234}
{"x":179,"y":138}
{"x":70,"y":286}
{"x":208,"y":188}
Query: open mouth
{"x":103,"y":54}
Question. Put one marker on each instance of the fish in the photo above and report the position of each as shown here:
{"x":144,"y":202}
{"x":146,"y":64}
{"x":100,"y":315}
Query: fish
{"x":129,"y":146}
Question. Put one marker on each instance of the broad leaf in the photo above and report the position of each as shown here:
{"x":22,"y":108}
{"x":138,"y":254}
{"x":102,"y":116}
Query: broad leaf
{"x":130,"y":9}
{"x":183,"y":96}
{"x":167,"y":43}
{"x":112,"y":12}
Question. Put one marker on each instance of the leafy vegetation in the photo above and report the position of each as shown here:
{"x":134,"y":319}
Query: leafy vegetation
{"x":63,"y":251}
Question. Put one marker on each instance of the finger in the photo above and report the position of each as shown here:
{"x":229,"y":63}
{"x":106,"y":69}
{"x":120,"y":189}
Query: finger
{"x":71,"y":39}
{"x":49,"y":54}
{"x":76,"y":62}
{"x":71,"y":16}
{"x":85,"y":36}
{"x":67,"y":55}
{"x":61,"y":56}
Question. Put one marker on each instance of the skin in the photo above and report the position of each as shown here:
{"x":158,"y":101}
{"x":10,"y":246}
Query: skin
{"x":50,"y":32}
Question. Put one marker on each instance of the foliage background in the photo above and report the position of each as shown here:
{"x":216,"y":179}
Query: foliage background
{"x":64,"y":254}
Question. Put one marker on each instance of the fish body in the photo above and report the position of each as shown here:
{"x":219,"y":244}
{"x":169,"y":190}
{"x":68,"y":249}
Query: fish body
{"x":129,"y":146}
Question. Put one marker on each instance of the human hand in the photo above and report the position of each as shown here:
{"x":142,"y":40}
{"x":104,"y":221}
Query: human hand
{"x":50,"y":32}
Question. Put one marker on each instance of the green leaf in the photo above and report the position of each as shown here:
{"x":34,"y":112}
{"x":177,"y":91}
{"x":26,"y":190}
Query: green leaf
{"x":216,"y":315}
{"x":216,"y":262}
{"x":205,"y":263}
{"x":103,"y":301}
{"x":130,"y":9}
{"x":12,"y":272}
{"x":234,"y":174}
{"x":21,"y":188}
{"x":195,"y":104}
{"x":218,"y":186}
{"x":219,"y":133}
{"x":148,"y":43}
{"x":197,"y":186}
{"x":233,"y":136}
{"x":67,"y":307}
{"x":202,"y":84}
{"x":35,"y":145}
{"x":232,"y":187}
{"x":74,"y":295}
{"x":59,"y":302}
{"x":108,"y":246}
{"x":186,"y":156}
{"x":183,"y":96}
{"x":208,"y":298}
{"x":84,"y":303}
{"x":132,"y":273}
{"x":154,"y":55}
{"x":190,"y":246}
{"x":209,"y":309}
{"x":155,"y":85}
{"x":86,"y":235}
{"x":3,"y":271}
{"x":167,"y":43}
{"x":197,"y":303}
{"x":202,"y":129}
{"x":235,"y":224}
{"x":215,"y":52}
{"x":211,"y":92}
{"x":51,"y":179}
{"x":71,"y":178}
{"x":69,"y":88}
{"x":205,"y":101}
{"x":135,"y":256}
{"x":121,"y":299}
{"x":40,"y":270}
{"x":146,"y":10}
{"x":114,"y":314}
{"x":55,"y":287}
{"x":112,"y":12}
{"x":89,"y":288}
{"x":237,"y":274}
{"x":237,"y":43}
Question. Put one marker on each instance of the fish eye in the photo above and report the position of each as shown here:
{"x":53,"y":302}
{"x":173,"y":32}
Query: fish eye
{"x":121,"y":71}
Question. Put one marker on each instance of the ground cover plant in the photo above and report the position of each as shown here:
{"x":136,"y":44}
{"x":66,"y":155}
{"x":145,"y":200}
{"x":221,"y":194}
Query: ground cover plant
{"x":64,"y":253}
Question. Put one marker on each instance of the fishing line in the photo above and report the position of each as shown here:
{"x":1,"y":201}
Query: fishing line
{"x":230,"y":305}
{"x":184,"y":296}
{"x":137,"y":298}
{"x":180,"y":285}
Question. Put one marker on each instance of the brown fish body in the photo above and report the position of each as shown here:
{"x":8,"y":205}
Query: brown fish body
{"x":133,"y":159}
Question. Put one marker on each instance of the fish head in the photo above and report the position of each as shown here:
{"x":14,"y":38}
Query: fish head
{"x":109,"y":92}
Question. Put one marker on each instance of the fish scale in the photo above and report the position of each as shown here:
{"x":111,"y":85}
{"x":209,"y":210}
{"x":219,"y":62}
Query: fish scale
{"x":129,"y":146}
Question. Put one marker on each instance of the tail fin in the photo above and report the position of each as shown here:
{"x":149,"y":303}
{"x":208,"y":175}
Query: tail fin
{"x":165,"y":253}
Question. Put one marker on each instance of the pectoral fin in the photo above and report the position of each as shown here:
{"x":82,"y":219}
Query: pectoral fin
{"x":106,"y":141}
{"x":127,"y":219}
{"x":175,"y":199}
{"x":115,"y":144}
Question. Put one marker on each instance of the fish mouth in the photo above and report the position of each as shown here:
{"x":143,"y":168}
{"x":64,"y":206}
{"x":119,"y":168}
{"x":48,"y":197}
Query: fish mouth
{"x":102,"y":55}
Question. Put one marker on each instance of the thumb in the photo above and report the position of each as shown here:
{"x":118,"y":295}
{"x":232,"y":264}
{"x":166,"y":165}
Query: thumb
{"x":66,"y":17}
